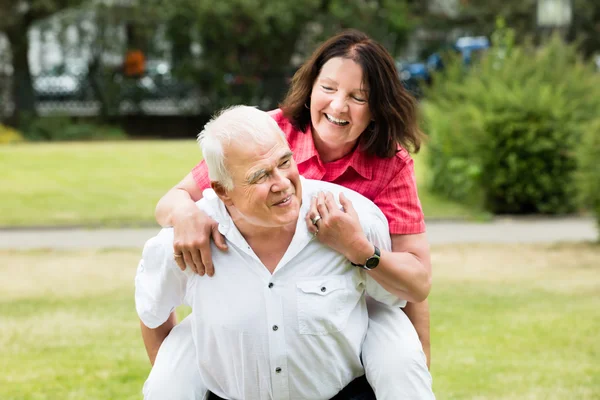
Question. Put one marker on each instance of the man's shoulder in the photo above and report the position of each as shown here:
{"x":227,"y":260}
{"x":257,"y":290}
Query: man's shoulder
{"x":160,"y":245}
{"x":211,"y":204}
{"x":315,"y":186}
{"x":366,"y":209}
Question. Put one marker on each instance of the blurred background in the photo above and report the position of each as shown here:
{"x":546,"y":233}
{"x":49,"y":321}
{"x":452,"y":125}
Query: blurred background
{"x":100,"y":103}
{"x":508,"y":90}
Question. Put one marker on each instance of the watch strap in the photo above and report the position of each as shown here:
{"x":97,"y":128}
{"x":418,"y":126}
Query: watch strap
{"x":376,"y":254}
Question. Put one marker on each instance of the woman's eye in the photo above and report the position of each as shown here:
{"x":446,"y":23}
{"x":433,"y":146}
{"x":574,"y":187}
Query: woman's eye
{"x":327,"y":88}
{"x":359,"y":99}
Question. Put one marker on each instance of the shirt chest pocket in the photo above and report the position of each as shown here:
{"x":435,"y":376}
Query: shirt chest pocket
{"x":324,"y":304}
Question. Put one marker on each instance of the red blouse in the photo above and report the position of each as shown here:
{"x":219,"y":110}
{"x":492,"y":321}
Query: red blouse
{"x":388,"y":182}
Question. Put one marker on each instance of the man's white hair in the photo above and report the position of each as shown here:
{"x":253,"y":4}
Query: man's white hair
{"x":242,"y":124}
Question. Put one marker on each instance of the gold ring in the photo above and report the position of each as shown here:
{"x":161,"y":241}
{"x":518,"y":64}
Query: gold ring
{"x":178,"y":255}
{"x":315,"y":219}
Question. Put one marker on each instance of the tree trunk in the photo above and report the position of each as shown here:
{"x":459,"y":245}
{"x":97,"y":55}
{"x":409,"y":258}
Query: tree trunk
{"x":22,"y":88}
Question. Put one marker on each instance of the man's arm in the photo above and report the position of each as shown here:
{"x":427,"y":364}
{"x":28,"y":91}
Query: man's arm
{"x":153,"y":338}
{"x":160,"y":286}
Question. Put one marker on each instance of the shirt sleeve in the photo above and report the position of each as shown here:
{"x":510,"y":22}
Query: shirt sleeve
{"x":200,"y":174}
{"x":160,"y":285}
{"x":379,"y":235}
{"x":400,"y":203}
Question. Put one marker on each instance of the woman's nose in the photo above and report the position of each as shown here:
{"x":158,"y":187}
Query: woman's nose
{"x":339,"y":104}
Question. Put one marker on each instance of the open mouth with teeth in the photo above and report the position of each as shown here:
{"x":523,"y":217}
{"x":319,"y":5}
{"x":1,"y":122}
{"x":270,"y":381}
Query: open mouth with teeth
{"x":338,"y":122}
{"x":284,"y":201}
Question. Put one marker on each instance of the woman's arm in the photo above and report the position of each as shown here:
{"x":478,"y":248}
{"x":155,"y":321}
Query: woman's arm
{"x":178,"y":202}
{"x":193,"y":229}
{"x":418,"y":314}
{"x":405,"y":271}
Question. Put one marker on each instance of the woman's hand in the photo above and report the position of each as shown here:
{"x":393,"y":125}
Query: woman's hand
{"x":193,"y":230}
{"x":338,"y":228}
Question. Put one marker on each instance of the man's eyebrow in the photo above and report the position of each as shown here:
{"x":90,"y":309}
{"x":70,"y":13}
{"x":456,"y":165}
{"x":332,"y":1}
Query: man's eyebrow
{"x":255,"y":175}
{"x":286,"y":155}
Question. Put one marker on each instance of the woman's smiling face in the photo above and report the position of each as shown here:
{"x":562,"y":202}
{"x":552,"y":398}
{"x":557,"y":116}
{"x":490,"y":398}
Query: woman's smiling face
{"x":339,"y":107}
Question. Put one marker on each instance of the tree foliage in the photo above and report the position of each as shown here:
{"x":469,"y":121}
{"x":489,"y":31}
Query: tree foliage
{"x":15,"y":20}
{"x":477,"y":17}
{"x":250,"y":47}
{"x":512,"y":143}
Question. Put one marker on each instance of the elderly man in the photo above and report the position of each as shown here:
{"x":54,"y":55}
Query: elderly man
{"x":285,"y":316}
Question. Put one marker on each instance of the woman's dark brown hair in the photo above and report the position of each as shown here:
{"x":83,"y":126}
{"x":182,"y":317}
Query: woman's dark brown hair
{"x":393,"y":109}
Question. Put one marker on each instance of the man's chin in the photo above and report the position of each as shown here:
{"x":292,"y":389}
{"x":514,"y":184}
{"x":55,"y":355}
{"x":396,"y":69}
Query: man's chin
{"x":290,"y":218}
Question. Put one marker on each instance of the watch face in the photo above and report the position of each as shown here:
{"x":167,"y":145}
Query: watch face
{"x":372,"y":262}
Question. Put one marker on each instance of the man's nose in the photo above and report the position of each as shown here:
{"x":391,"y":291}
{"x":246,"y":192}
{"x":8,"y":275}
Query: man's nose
{"x":280,"y":182}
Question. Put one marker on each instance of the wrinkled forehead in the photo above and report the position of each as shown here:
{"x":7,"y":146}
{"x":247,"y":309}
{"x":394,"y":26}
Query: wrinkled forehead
{"x":246,"y":155}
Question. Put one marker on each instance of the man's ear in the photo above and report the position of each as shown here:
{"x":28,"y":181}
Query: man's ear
{"x":221,"y":192}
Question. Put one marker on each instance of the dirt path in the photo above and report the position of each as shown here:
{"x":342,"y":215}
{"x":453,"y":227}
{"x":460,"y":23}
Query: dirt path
{"x":528,"y":230}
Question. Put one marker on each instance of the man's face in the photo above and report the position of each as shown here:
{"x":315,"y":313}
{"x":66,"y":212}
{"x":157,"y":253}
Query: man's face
{"x":266,"y":183}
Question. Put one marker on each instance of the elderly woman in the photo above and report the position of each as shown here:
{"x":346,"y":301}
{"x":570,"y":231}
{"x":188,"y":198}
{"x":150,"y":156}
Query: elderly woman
{"x":349,"y":121}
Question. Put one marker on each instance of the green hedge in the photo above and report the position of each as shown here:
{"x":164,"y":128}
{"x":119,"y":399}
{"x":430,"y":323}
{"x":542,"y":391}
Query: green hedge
{"x":9,"y":135}
{"x":589,"y":169}
{"x":66,"y":129}
{"x":504,"y":132}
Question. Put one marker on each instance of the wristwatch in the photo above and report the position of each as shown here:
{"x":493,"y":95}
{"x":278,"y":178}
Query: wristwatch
{"x":372,"y":262}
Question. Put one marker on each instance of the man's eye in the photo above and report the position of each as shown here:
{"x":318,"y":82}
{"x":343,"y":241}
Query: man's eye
{"x":286,"y":163}
{"x":261,"y":178}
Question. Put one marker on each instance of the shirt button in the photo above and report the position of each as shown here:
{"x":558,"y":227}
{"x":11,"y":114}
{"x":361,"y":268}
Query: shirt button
{"x":323,"y":289}
{"x":275,"y":327}
{"x":271,"y":285}
{"x":278,"y":370}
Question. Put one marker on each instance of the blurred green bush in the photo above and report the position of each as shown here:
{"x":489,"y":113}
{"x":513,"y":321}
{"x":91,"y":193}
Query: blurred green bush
{"x":588,"y":176}
{"x":66,"y":129}
{"x":505,"y":131}
{"x":9,"y":135}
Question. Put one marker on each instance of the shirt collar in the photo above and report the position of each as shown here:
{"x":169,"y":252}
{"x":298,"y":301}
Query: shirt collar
{"x":357,"y":160}
{"x":305,"y":147}
{"x":216,"y":209}
{"x":361,"y":163}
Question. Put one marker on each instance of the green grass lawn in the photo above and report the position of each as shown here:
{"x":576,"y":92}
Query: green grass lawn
{"x":114,"y":183}
{"x":508,"y":322}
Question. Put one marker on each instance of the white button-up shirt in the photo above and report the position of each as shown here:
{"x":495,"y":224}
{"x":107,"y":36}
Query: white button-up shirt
{"x":295,"y":334}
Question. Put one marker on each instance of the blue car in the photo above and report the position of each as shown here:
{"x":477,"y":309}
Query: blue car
{"x":415,"y":75}
{"x":467,"y":46}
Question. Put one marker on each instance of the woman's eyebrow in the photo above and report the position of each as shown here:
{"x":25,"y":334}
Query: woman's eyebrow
{"x":334,"y":82}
